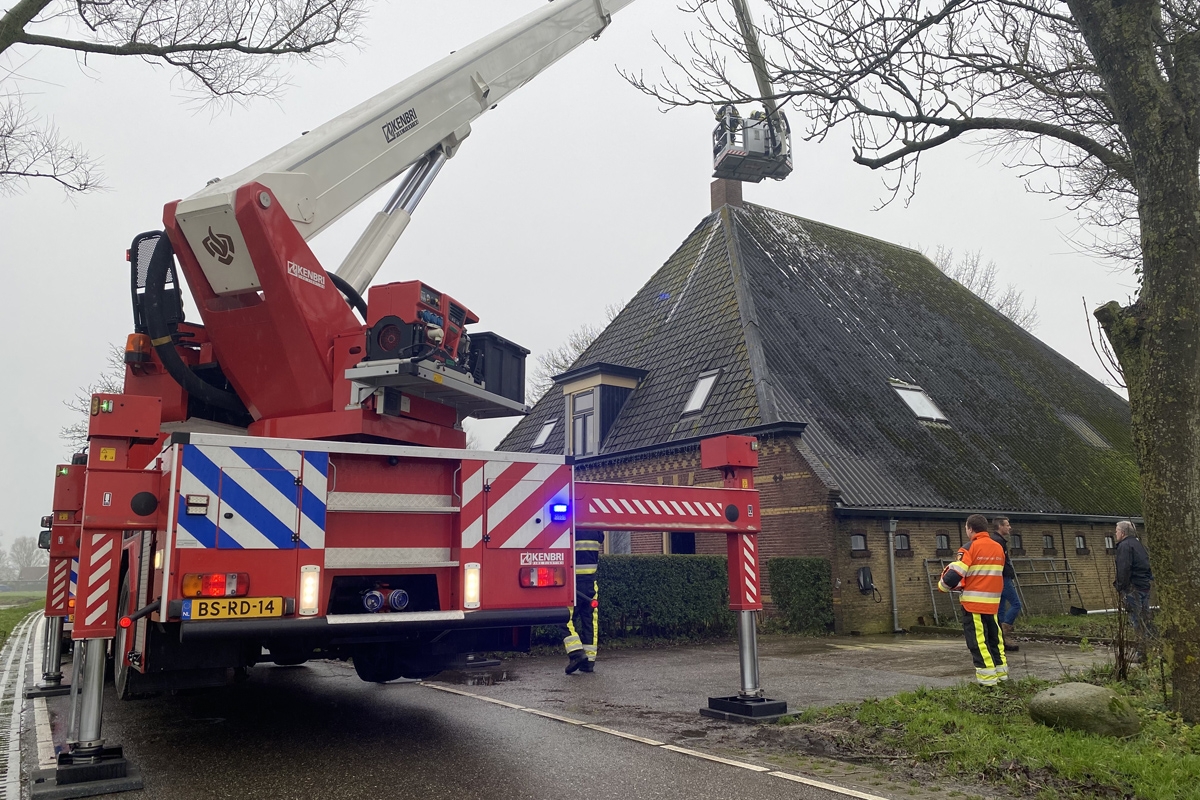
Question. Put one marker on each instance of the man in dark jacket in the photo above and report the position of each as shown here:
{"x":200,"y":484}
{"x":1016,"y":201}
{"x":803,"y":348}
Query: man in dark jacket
{"x":1133,"y":582}
{"x":1010,"y":600}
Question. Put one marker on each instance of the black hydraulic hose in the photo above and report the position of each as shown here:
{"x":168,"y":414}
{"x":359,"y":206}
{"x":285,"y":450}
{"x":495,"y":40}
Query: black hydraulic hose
{"x":352,"y":297}
{"x":164,"y":344}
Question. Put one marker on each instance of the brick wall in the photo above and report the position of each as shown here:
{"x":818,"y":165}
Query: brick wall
{"x":797,"y":518}
{"x":1093,"y":571}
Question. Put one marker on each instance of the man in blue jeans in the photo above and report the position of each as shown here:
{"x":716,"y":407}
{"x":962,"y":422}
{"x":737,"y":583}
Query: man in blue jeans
{"x":1133,"y":584}
{"x":1010,"y":601}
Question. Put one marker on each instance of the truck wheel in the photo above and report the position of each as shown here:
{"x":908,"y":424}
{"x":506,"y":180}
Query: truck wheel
{"x":124,"y":681}
{"x":377,"y":663}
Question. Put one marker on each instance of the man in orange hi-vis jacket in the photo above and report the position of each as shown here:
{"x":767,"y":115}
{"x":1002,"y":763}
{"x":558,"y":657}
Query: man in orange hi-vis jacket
{"x":978,"y":573}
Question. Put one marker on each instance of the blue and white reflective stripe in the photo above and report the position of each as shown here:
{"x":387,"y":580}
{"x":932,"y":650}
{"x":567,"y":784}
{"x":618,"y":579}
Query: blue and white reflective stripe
{"x":259,"y":498}
{"x":74,"y":575}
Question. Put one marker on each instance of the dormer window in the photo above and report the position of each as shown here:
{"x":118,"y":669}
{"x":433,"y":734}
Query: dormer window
{"x":919,"y":402}
{"x":583,"y":423}
{"x":700,"y":393}
{"x":544,"y":434}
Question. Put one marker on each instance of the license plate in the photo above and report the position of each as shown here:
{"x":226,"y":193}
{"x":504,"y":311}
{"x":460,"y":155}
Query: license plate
{"x":233,"y":608}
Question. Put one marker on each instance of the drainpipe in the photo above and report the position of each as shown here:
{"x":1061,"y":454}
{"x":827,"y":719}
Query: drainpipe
{"x":891,"y":532}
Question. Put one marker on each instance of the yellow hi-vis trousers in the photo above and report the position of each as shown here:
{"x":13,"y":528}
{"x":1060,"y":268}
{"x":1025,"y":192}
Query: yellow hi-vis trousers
{"x":583,"y":627}
{"x":987,"y":647}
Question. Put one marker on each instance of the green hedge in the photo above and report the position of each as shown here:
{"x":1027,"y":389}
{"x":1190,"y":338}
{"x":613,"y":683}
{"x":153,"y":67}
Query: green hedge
{"x":673,"y":596}
{"x":802,"y":591}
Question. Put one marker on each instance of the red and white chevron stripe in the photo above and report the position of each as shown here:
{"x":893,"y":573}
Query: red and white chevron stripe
{"x":664,"y":508}
{"x":744,"y":589}
{"x":99,"y":560}
{"x":507,"y":504}
{"x":749,"y":572}
{"x":59,"y":587}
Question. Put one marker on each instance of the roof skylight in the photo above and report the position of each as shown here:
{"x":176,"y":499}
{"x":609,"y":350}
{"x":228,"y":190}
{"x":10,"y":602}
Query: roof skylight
{"x":919,"y":403}
{"x":544,"y":433}
{"x":703,"y":388}
{"x":1085,"y":431}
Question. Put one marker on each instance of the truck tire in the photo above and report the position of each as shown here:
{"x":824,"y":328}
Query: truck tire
{"x":377,"y":663}
{"x":125,"y":680}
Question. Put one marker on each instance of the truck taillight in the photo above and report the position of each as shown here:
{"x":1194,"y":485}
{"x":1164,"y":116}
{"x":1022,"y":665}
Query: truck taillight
{"x":310,"y":589}
{"x":543,"y":576}
{"x":216,"y":584}
{"x":470,"y":586}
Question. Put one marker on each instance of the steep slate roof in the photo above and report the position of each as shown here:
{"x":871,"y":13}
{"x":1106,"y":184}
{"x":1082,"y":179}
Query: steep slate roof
{"x":808,"y":323}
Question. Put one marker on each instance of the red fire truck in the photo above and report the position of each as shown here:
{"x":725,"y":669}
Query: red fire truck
{"x":282,"y":480}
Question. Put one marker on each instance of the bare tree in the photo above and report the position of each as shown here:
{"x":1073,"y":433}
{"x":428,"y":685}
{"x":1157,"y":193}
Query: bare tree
{"x":223,"y":48}
{"x":558,"y":360}
{"x":1094,"y":102}
{"x":25,"y":553}
{"x":982,"y":280}
{"x":110,"y":381}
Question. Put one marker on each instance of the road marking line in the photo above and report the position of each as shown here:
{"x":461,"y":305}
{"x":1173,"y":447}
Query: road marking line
{"x":504,"y":703}
{"x":17,"y":648}
{"x":622,"y":734}
{"x":548,"y":715}
{"x":41,"y":711}
{"x":45,"y":736}
{"x":718,"y":759}
{"x":829,"y":787}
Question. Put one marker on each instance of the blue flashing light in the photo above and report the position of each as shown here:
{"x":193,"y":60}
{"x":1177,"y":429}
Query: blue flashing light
{"x":558,"y":512}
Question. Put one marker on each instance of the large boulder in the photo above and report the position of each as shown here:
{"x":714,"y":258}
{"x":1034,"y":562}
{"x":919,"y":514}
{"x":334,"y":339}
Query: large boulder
{"x":1085,"y":707}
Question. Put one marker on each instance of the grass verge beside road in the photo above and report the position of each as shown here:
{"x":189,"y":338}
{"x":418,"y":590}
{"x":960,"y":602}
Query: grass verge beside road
{"x":11,"y":616}
{"x":969,"y":732}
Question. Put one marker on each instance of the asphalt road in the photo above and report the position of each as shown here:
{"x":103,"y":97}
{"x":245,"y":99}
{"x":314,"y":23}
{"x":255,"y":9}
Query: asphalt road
{"x":316,"y":731}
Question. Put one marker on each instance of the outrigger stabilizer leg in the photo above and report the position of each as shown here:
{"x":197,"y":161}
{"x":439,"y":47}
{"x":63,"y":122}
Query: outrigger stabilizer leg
{"x":51,"y":684}
{"x":88,"y":767}
{"x":737,"y":456}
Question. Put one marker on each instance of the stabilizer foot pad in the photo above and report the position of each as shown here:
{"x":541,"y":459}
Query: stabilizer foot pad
{"x":747,"y":710}
{"x":47,"y":691}
{"x":111,"y":772}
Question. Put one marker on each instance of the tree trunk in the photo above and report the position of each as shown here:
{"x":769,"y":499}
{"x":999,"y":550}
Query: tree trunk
{"x":1157,"y":341}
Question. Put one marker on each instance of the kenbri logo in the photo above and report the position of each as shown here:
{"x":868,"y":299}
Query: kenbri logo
{"x":395,"y":128}
{"x":534,"y":559}
{"x":305,"y":274}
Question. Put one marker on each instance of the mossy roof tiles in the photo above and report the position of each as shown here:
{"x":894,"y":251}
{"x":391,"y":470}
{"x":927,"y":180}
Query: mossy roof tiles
{"x":808,"y":323}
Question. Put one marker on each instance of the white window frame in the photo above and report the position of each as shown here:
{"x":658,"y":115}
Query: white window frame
{"x":919,"y":402}
{"x":544,"y":434}
{"x":591,"y":446}
{"x":701,"y":392}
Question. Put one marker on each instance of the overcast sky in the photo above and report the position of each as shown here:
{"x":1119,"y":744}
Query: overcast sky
{"x":563,"y":200}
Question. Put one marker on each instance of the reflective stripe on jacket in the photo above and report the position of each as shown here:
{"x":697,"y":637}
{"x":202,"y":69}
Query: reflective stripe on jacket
{"x":980,"y":564}
{"x":588,"y":546}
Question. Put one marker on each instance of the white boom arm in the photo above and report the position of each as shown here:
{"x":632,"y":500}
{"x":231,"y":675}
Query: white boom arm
{"x":417,"y":123}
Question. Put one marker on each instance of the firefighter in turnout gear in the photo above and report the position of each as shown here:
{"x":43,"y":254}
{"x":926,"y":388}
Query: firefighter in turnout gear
{"x":978,"y":572}
{"x":583,"y":628}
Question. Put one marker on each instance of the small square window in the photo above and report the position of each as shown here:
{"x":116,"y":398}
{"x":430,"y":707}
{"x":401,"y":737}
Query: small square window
{"x":544,"y":434}
{"x":919,"y":402}
{"x":703,"y":388}
{"x":943,"y":545}
{"x":858,"y":542}
{"x":1110,"y":544}
{"x":1017,"y":542}
{"x":1047,"y":542}
{"x":1080,"y":543}
{"x":902,"y":541}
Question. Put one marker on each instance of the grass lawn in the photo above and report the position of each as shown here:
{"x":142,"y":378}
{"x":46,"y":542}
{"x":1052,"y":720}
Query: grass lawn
{"x":972,"y":732}
{"x":12,"y":615}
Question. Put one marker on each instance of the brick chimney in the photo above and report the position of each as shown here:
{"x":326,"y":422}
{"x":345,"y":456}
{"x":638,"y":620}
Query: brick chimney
{"x":726,"y":193}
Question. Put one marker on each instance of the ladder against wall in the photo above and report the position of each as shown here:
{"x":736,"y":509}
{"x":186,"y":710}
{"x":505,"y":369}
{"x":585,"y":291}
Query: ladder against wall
{"x":1045,"y":585}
